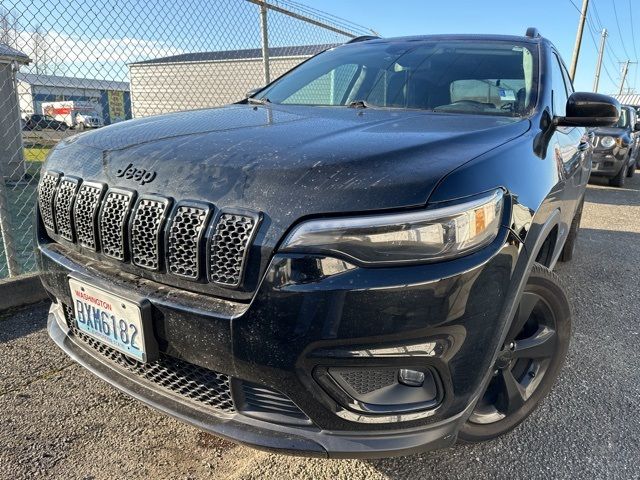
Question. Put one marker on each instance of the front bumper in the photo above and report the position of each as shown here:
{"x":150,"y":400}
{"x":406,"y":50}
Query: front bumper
{"x":608,"y":163}
{"x":259,"y":434}
{"x":444,"y":317}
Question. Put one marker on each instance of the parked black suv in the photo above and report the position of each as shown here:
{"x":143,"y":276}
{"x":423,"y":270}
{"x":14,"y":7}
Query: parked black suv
{"x":616,"y":148}
{"x":354,"y":262}
{"x":42,"y":122}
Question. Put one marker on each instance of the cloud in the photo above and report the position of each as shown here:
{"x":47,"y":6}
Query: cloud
{"x":60,"y":48}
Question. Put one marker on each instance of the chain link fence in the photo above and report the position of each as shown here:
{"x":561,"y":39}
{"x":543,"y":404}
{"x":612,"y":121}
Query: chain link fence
{"x":68,"y":66}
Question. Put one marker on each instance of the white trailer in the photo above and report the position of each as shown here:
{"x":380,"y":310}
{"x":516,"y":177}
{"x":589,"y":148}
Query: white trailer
{"x":75,"y":114}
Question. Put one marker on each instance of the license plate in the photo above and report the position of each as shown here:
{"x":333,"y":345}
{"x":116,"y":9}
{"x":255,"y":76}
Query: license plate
{"x":109,"y":318}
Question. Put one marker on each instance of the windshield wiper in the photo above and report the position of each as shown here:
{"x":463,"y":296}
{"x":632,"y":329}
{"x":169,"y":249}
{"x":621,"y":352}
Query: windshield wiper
{"x":258,"y":101}
{"x":359,"y":104}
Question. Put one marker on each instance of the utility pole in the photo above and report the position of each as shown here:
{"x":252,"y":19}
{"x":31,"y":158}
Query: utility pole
{"x":576,"y":48}
{"x":625,"y":71}
{"x":603,"y":40}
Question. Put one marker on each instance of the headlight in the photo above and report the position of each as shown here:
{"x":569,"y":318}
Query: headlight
{"x":607,"y":142}
{"x":426,"y":235}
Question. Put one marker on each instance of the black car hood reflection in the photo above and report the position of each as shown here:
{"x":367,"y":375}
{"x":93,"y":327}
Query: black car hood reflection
{"x":289,"y":161}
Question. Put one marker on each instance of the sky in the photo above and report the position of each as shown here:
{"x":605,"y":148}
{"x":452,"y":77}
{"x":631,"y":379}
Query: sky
{"x":556,"y":19}
{"x":99,"y":39}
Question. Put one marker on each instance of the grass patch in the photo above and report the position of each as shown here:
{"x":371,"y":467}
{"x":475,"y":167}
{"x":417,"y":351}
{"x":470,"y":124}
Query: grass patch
{"x":36,"y":154}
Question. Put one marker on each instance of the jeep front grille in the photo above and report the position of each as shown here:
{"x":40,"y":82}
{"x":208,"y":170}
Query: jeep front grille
{"x":64,"y":207}
{"x":148,"y":231}
{"x":46,"y":194}
{"x":229,"y":247}
{"x":113,"y":223}
{"x":86,"y":214}
{"x":185,"y":238}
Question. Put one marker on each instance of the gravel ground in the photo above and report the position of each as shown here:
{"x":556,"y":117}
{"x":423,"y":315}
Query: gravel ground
{"x":58,"y":421}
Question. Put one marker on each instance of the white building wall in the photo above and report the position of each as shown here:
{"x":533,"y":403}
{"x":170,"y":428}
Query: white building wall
{"x":170,"y":87}
{"x":25,"y":93}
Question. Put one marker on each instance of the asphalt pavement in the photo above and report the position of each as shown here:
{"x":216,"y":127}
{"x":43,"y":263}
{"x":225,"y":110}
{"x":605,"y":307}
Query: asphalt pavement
{"x":58,"y":421}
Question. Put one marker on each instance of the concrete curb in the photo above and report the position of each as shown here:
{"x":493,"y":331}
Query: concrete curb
{"x":22,"y":290}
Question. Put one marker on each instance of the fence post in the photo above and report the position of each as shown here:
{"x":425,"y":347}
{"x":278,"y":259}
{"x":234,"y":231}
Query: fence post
{"x":7,"y":232}
{"x":265,"y":43}
{"x":5,"y":216}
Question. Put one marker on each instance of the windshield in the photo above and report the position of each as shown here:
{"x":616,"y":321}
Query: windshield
{"x":492,"y":78}
{"x":623,"y":121}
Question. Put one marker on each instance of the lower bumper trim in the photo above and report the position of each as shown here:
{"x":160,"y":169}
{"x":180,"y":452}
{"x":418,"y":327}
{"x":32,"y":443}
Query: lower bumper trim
{"x":283,"y":439}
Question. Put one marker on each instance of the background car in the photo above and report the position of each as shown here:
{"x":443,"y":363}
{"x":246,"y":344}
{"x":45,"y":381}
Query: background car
{"x":616,"y":148}
{"x":44,"y":122}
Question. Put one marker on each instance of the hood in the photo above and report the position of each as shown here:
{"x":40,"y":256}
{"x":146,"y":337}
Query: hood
{"x":287,"y":161}
{"x":610,"y":131}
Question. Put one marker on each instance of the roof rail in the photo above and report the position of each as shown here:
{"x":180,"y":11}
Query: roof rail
{"x":363,"y":38}
{"x":532,"y":32}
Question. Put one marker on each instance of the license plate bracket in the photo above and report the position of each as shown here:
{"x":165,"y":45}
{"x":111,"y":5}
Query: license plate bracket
{"x":123,"y":323}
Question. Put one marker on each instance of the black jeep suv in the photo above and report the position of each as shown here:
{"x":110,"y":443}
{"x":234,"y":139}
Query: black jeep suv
{"x":616,"y":148}
{"x":354,"y":262}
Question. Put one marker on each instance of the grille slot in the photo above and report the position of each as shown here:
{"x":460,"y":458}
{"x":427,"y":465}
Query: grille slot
{"x":146,"y":231}
{"x":124,"y":227}
{"x":113,"y":221}
{"x":64,"y":207}
{"x":86,"y":214}
{"x":228,"y":248}
{"x":185,"y":237}
{"x":199,"y":385}
{"x":260,"y":399}
{"x":46,"y":194}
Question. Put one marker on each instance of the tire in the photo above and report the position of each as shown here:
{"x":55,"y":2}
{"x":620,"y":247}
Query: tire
{"x":536,"y":379}
{"x":631,"y":170}
{"x":618,"y":180}
{"x":570,"y":244}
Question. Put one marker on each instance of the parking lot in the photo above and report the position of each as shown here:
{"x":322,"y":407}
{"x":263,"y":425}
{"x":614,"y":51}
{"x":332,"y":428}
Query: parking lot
{"x":59,"y":421}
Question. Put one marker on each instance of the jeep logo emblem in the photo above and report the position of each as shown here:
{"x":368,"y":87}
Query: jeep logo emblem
{"x":140,"y":175}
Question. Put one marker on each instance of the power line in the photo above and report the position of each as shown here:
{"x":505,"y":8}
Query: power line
{"x":594,"y":9}
{"x":592,"y":34}
{"x":610,"y":51}
{"x":615,"y":12}
{"x":633,"y":38}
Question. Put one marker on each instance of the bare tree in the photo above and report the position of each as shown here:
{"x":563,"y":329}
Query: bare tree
{"x":39,"y":50}
{"x":9,"y":27}
{"x":43,"y":61}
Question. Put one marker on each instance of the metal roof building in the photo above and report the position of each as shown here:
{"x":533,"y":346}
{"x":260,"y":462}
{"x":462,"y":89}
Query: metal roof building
{"x":206,"y":79}
{"x":112,"y":99}
{"x":629,"y":99}
{"x":9,"y":55}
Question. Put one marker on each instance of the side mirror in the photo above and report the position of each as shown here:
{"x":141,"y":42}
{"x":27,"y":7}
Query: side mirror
{"x":636,"y":127}
{"x":252,"y":92}
{"x":586,"y":109}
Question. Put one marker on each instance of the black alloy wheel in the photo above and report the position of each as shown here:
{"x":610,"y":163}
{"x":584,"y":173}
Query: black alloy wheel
{"x":529,"y":362}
